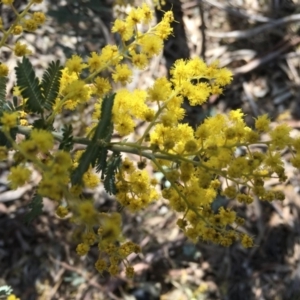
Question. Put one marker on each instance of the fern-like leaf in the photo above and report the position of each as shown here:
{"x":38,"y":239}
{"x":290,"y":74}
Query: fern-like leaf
{"x":6,"y":106}
{"x":36,"y":209}
{"x":106,"y":135}
{"x":40,"y":124}
{"x":104,"y":126}
{"x":110,"y":173}
{"x":101,"y":161}
{"x":50,"y":83}
{"x":67,"y":142}
{"x":4,"y":141}
{"x":9,"y":106}
{"x":29,"y":86}
{"x":91,"y":154}
{"x":88,"y":157}
{"x":3,"y":81}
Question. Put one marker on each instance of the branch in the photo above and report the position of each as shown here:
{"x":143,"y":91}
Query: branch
{"x":115,"y":148}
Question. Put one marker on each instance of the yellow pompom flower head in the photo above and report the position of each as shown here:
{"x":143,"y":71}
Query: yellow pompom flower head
{"x":95,"y":95}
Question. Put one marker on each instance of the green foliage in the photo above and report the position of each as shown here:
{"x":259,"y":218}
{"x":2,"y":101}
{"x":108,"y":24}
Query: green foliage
{"x":67,"y":142}
{"x":5,"y":106}
{"x":35,"y":207}
{"x":104,"y":128}
{"x":95,"y":153}
{"x":9,"y":106}
{"x":29,"y":86}
{"x":40,"y":95}
{"x":102,"y":160}
{"x":87,"y":158}
{"x":3,"y":81}
{"x":110,"y":173}
{"x":39,"y":124}
{"x":4,"y":141}
{"x":50,"y":83}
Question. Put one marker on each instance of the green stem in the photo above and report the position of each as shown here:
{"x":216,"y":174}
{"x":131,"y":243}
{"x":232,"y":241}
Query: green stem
{"x":16,"y":21}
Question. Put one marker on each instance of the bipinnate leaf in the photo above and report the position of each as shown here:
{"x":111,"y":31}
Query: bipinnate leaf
{"x":29,"y":86}
{"x":3,"y":81}
{"x":50,"y":84}
{"x":67,"y":142}
{"x":110,"y":173}
{"x":36,"y":209}
{"x":7,"y":106}
{"x":104,"y":126}
{"x":95,"y":148}
{"x":88,"y":157}
{"x":101,"y":160}
{"x":6,"y":142}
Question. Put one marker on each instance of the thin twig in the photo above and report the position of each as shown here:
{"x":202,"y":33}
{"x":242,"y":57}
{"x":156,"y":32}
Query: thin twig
{"x":237,"y":11}
{"x":245,"y":34}
{"x":86,"y":275}
{"x":265,"y":59}
{"x":202,"y":29}
{"x":250,"y":99}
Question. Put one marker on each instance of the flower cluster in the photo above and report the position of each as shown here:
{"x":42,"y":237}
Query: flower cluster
{"x":135,"y":189}
{"x":24,"y":21}
{"x":198,"y":163}
{"x":105,"y":238}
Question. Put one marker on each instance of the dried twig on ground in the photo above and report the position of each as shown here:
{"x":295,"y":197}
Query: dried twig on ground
{"x":202,"y":29}
{"x":245,"y":34}
{"x":238,"y":12}
{"x":265,"y":59}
